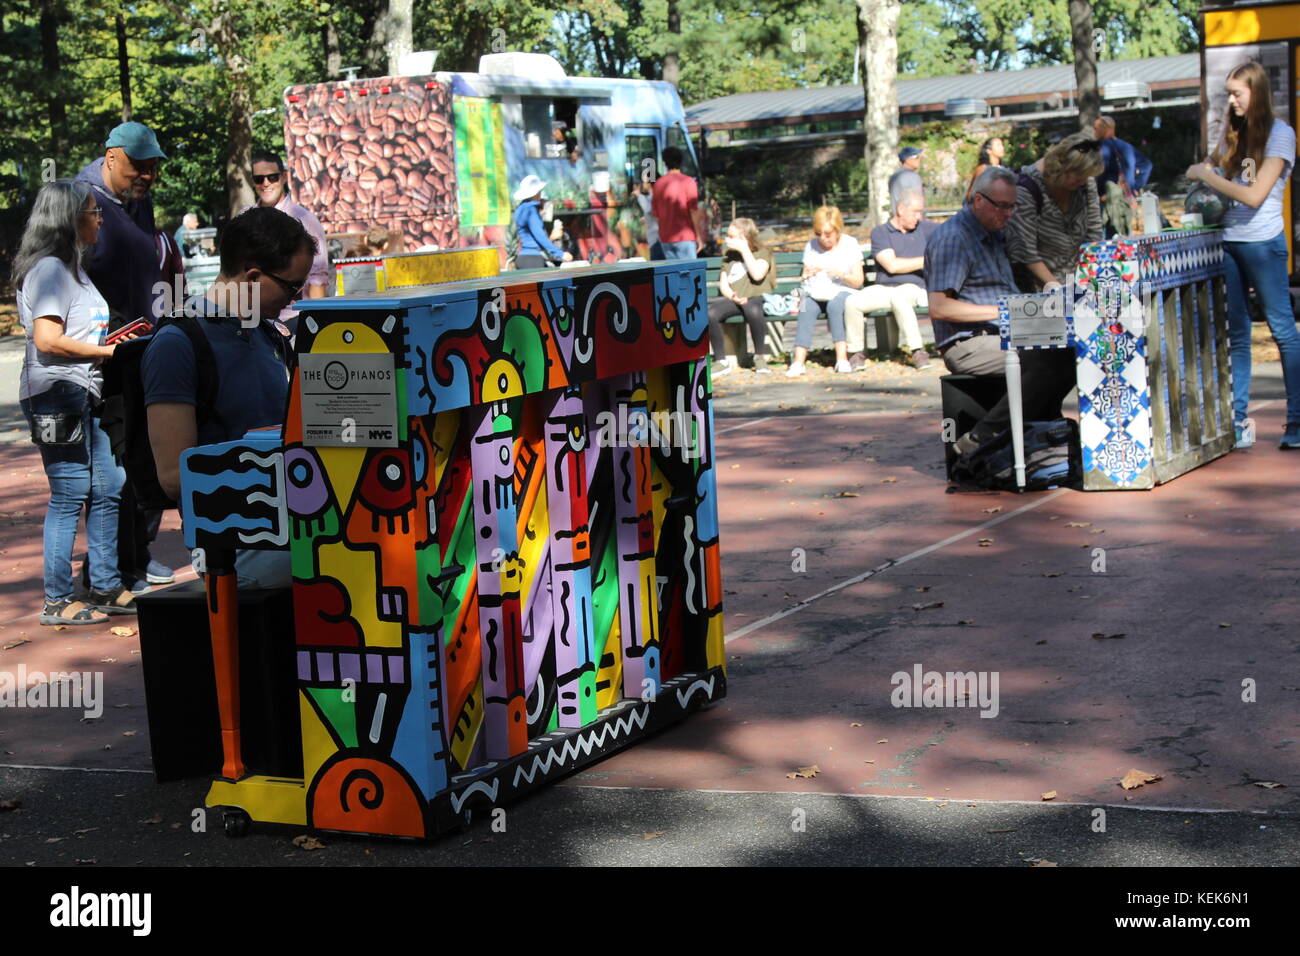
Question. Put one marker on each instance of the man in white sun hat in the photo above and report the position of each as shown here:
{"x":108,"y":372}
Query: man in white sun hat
{"x":535,"y":248}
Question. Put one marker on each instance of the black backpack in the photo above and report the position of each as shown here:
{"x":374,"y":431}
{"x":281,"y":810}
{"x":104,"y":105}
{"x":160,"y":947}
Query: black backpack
{"x":124,"y":416}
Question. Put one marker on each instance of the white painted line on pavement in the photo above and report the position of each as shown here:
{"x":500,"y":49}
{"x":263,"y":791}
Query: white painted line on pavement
{"x":732,"y":428}
{"x":23,"y":766}
{"x":892,"y":563}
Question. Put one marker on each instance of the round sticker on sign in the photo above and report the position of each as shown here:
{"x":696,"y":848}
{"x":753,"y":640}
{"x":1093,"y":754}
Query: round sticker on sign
{"x":336,"y":375}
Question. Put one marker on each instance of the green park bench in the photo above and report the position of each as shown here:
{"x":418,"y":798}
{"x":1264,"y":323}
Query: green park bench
{"x":788,"y":267}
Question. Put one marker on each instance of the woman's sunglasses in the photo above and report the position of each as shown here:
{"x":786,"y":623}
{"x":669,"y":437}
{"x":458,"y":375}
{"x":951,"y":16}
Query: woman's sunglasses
{"x":268,"y":178}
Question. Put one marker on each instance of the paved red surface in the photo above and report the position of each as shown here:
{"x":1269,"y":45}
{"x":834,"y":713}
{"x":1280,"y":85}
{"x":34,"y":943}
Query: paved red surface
{"x":1200,"y":579}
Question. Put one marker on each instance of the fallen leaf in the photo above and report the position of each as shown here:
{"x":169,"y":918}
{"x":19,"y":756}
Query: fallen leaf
{"x":868,"y":761}
{"x":1268,"y":784}
{"x":10,"y":805}
{"x":123,"y":631}
{"x":1033,"y":862}
{"x":888,"y":481}
{"x":305,"y":842}
{"x":966,"y":623}
{"x":985,"y":542}
{"x":883,"y":740}
{"x":651,"y":836}
{"x":1043,"y":641}
{"x":923,"y":589}
{"x":1223,"y":624}
{"x":1050,"y":795}
{"x":991,"y":511}
{"x":1078,"y":524}
{"x":54,"y":840}
{"x":854,"y":724}
{"x":848,"y":494}
{"x":108,"y":660}
{"x":128,"y":733}
{"x":735,"y":466}
{"x":1189,"y":516}
{"x":1135,"y":778}
{"x":1102,"y":635}
{"x":153,"y":820}
{"x":927,"y":606}
{"x":1008,"y":830}
{"x":1052,"y":574}
{"x":805,"y":772}
{"x":787,"y":481}
{"x":85,"y":862}
{"x":87,"y":830}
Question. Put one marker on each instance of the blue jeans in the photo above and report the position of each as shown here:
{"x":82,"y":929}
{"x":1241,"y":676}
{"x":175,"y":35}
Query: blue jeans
{"x":678,"y":250}
{"x":81,"y":473}
{"x":1262,"y":265}
{"x":811,"y":310}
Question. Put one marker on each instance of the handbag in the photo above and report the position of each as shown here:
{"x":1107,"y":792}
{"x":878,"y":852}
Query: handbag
{"x":58,"y":428}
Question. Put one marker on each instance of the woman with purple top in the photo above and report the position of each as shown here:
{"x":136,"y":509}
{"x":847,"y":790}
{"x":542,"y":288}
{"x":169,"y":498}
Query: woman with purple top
{"x":1256,"y":156}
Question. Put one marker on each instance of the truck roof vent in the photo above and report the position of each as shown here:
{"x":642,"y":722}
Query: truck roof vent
{"x":540,"y":66}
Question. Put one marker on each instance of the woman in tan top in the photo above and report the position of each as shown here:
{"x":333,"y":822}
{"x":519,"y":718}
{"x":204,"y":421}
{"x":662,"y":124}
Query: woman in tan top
{"x":748,"y":271}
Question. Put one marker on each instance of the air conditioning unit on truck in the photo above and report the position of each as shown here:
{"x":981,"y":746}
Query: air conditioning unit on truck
{"x":437,"y":158}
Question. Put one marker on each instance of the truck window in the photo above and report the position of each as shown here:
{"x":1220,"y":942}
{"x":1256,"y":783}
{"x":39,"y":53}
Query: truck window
{"x":540,"y":114}
{"x":676,"y":137}
{"x":642,"y":151}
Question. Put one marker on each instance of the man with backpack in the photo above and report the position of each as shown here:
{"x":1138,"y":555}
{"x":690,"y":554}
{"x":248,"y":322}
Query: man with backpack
{"x":266,"y":258}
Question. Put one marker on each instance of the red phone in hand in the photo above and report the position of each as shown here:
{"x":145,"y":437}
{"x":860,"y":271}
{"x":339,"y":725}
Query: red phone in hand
{"x":138,"y":327}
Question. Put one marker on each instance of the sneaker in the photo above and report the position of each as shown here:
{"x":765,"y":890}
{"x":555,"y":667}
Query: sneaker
{"x":1291,"y":437}
{"x":724,"y":367}
{"x":843,"y":367}
{"x":1245,"y":438}
{"x":158,"y":573}
{"x":140,"y":586}
{"x":760,"y":365}
{"x":920,"y":358}
{"x":123,"y":602}
{"x":858,"y":361}
{"x":795,"y":370}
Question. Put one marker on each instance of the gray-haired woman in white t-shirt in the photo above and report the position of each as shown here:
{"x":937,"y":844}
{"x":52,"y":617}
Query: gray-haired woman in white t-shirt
{"x":65,"y":318}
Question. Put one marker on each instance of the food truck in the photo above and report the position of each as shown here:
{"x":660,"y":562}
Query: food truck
{"x":438,"y":157}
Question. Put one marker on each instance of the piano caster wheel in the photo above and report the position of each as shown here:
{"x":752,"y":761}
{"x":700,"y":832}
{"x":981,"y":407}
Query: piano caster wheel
{"x":236,"y":823}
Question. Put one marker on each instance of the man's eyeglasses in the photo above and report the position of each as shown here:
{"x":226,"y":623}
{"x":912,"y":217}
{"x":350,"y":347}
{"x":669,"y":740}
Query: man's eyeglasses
{"x":289,"y":288}
{"x":97,"y":212}
{"x":268,"y":178}
{"x":1004,"y":206}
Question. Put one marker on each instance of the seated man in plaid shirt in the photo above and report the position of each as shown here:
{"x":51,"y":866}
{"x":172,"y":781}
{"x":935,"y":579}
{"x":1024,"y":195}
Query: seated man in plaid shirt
{"x":966,"y":271}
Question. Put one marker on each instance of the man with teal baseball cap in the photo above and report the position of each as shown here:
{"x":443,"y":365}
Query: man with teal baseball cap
{"x":124,"y":264}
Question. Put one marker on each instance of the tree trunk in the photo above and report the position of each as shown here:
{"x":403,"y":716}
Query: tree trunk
{"x":398,"y":40}
{"x":58,"y":114}
{"x":1085,"y":63}
{"x":330,"y":40}
{"x":877,"y":34}
{"x":123,"y":67}
{"x":671,"y":67}
{"x":239,"y":129}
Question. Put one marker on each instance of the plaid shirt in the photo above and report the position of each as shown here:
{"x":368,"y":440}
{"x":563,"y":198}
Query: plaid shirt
{"x":967,"y":262}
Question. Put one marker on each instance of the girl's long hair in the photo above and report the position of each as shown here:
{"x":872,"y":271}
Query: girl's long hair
{"x":749,"y":229}
{"x":51,"y":229}
{"x":1246,"y":136}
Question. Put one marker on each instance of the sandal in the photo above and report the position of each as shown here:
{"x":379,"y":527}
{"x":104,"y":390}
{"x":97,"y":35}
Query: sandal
{"x":123,"y":602}
{"x":71,"y":613}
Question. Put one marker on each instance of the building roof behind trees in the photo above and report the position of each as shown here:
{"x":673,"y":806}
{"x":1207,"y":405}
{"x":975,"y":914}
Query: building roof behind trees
{"x":1007,"y":92}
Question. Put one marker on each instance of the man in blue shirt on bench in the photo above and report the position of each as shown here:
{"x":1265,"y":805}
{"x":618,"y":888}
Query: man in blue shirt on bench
{"x":966,"y":272}
{"x":898,"y":246}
